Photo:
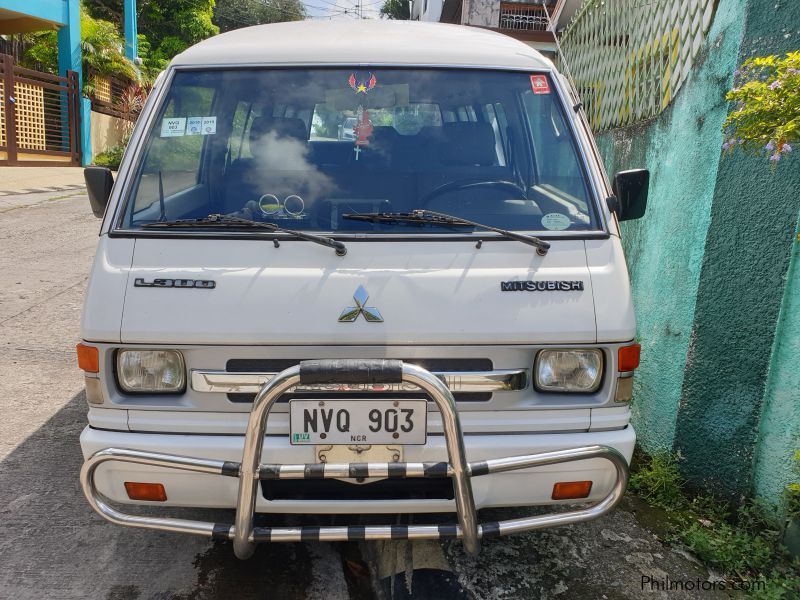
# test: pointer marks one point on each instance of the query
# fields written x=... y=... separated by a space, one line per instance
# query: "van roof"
x=364 y=42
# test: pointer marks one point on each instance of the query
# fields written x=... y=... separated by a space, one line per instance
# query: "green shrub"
x=747 y=544
x=743 y=542
x=793 y=493
x=111 y=157
x=658 y=481
x=766 y=114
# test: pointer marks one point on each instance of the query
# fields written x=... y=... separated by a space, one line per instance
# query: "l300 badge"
x=205 y=284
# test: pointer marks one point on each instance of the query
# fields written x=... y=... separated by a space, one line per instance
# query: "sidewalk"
x=29 y=180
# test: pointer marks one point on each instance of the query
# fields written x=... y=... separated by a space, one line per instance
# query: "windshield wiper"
x=217 y=220
x=429 y=217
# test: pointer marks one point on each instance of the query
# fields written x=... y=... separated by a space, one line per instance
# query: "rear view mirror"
x=99 y=182
x=631 y=189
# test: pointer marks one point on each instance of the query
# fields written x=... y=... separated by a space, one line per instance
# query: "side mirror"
x=631 y=189
x=99 y=182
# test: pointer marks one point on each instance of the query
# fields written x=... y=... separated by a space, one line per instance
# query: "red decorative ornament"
x=363 y=129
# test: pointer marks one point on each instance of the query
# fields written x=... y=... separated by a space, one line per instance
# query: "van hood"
x=390 y=292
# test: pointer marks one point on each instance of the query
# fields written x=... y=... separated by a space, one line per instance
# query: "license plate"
x=358 y=421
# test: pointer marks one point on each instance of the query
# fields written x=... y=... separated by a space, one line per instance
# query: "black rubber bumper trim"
x=351 y=370
x=491 y=529
x=220 y=531
x=230 y=468
x=479 y=468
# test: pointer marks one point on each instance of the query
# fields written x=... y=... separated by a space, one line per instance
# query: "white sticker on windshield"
x=209 y=125
x=194 y=125
x=555 y=221
x=173 y=127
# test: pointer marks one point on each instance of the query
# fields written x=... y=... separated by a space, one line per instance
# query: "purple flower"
x=775 y=84
x=775 y=157
x=770 y=146
x=786 y=148
x=726 y=146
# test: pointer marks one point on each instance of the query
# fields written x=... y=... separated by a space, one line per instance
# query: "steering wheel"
x=469 y=184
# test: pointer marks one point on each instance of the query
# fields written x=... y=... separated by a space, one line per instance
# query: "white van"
x=431 y=317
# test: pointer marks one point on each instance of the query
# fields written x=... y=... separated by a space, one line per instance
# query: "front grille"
x=275 y=365
x=333 y=489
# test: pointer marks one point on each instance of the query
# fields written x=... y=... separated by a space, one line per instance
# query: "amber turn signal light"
x=629 y=357
x=570 y=490
x=88 y=358
x=154 y=492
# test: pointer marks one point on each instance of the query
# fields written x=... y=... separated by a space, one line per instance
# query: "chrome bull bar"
x=251 y=471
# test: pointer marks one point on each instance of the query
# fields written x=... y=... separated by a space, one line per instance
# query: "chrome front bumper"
x=251 y=471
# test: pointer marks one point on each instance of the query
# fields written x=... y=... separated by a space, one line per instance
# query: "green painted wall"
x=718 y=322
x=742 y=280
x=779 y=431
x=681 y=147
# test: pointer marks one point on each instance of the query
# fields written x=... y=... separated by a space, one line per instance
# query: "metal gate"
x=39 y=116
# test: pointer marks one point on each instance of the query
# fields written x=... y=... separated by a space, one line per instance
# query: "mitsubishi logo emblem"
x=351 y=313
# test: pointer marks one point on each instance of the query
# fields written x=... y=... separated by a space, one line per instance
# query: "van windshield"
x=300 y=148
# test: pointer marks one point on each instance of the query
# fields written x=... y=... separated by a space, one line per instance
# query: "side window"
x=331 y=125
x=490 y=116
x=556 y=157
x=174 y=156
x=335 y=125
x=238 y=146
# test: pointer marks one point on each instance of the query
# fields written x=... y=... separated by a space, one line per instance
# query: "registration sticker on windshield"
x=209 y=125
x=201 y=125
x=555 y=221
x=173 y=126
x=194 y=125
x=539 y=84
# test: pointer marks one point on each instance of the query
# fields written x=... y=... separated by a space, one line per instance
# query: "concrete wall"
x=107 y=132
x=742 y=284
x=716 y=300
x=484 y=13
x=665 y=250
x=779 y=429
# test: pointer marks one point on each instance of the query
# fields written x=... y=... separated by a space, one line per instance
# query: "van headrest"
x=282 y=126
x=383 y=137
x=468 y=144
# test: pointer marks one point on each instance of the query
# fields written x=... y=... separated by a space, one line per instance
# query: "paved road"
x=53 y=546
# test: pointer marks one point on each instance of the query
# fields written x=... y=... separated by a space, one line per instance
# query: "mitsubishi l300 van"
x=431 y=315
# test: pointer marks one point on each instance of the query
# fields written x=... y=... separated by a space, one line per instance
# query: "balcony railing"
x=523 y=17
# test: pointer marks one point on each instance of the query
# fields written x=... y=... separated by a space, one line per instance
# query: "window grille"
x=628 y=58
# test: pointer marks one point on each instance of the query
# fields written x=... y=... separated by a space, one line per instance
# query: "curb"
x=55 y=188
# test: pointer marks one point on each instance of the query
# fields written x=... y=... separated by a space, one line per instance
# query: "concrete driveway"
x=53 y=546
